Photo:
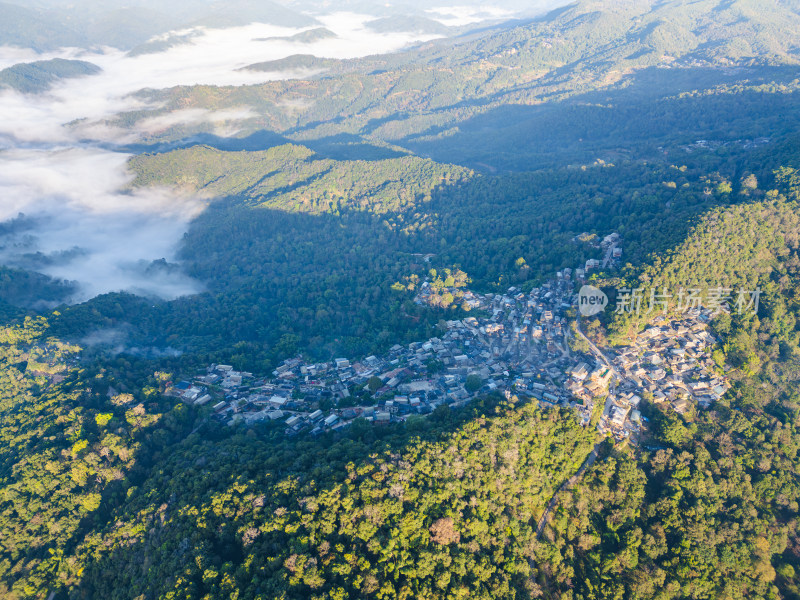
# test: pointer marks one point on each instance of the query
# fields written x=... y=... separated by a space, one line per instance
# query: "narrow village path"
x=566 y=486
x=609 y=255
x=596 y=350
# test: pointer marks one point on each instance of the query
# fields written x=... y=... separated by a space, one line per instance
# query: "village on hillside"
x=519 y=344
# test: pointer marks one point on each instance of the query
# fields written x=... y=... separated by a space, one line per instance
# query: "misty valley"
x=365 y=300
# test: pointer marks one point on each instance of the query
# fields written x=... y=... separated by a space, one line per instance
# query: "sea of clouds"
x=82 y=222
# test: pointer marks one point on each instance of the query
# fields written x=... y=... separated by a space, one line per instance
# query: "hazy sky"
x=186 y=7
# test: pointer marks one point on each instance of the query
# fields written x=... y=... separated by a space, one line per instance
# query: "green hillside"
x=294 y=224
x=505 y=153
x=707 y=479
x=69 y=451
x=419 y=519
x=751 y=245
x=295 y=178
x=295 y=62
x=748 y=245
x=444 y=507
x=31 y=78
x=428 y=490
x=289 y=223
x=309 y=36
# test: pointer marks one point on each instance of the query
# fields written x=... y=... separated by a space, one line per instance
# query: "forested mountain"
x=481 y=90
x=49 y=26
x=67 y=450
x=731 y=470
x=296 y=62
x=294 y=178
x=40 y=75
x=263 y=246
x=506 y=152
x=446 y=506
x=24 y=27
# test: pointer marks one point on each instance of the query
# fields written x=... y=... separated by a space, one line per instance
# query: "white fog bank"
x=82 y=223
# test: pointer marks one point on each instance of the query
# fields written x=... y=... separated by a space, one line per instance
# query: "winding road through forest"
x=566 y=486
x=548 y=511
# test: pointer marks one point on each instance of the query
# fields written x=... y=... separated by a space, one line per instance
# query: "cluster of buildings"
x=517 y=344
x=612 y=253
x=671 y=362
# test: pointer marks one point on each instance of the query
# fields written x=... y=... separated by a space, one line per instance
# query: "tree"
x=434 y=366
x=473 y=383
x=750 y=182
x=374 y=383
x=443 y=531
x=724 y=187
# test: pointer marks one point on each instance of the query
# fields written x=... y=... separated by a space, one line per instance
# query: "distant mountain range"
x=442 y=97
x=50 y=26
x=399 y=23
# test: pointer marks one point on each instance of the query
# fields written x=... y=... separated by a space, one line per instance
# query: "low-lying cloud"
x=220 y=119
x=82 y=221
x=80 y=225
x=116 y=341
x=458 y=16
